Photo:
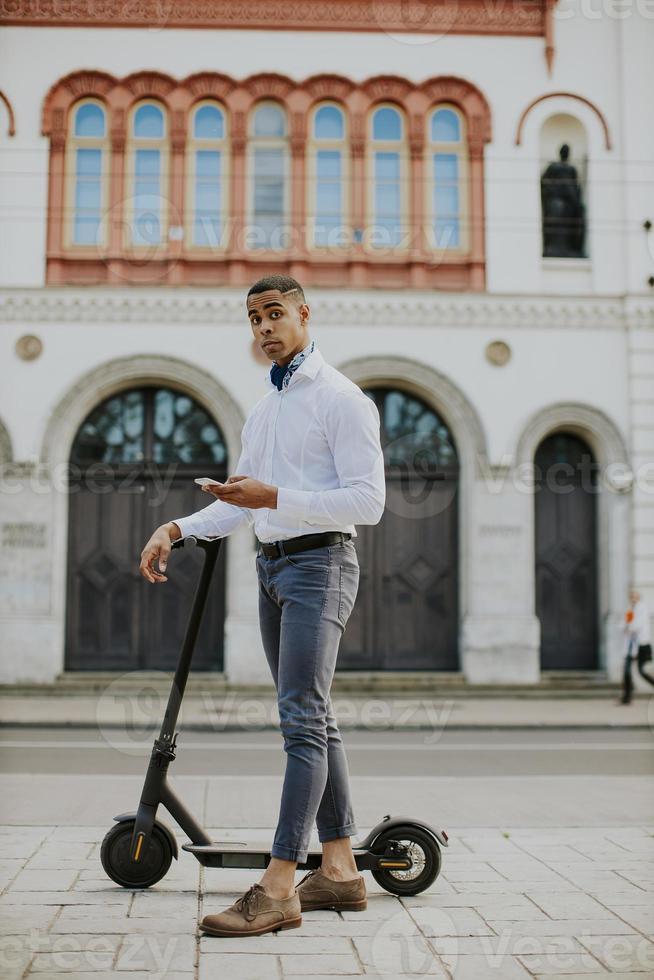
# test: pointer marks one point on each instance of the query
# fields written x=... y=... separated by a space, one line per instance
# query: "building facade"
x=466 y=198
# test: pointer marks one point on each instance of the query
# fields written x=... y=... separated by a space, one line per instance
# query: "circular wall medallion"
x=498 y=353
x=29 y=347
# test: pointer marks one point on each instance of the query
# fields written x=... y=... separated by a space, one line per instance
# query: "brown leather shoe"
x=254 y=913
x=317 y=891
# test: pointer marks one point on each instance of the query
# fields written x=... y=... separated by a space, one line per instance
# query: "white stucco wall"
x=581 y=333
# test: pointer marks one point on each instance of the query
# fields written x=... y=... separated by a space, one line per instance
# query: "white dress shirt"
x=318 y=441
x=639 y=628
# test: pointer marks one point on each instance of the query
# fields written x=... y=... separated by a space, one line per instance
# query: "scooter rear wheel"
x=116 y=860
x=425 y=854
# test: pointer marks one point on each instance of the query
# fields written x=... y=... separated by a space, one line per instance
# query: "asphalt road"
x=481 y=778
x=385 y=754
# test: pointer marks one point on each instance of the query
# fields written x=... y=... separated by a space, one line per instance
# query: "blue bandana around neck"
x=280 y=374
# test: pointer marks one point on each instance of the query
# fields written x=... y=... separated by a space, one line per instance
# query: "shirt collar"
x=309 y=366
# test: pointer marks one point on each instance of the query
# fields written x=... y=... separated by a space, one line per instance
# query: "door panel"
x=151 y=442
x=566 y=566
x=406 y=613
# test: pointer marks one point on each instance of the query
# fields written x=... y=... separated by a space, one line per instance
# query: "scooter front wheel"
x=116 y=860
x=425 y=855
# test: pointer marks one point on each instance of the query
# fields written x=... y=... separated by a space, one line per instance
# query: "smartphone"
x=205 y=481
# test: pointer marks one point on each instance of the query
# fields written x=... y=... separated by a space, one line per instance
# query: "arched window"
x=328 y=170
x=88 y=170
x=147 y=169
x=269 y=171
x=387 y=178
x=207 y=169
x=447 y=181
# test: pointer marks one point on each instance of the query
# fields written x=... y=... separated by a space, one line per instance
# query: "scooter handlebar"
x=207 y=544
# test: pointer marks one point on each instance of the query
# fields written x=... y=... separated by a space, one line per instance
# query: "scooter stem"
x=211 y=549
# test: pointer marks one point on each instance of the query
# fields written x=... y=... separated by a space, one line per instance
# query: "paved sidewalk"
x=509 y=904
x=144 y=706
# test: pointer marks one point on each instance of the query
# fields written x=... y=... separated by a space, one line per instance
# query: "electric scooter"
x=403 y=854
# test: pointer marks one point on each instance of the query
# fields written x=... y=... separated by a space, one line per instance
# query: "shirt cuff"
x=293 y=503
x=185 y=524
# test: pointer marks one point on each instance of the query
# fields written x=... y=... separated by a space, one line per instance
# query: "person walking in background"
x=637 y=630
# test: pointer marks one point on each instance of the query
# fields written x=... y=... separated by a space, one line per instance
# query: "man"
x=311 y=468
x=637 y=629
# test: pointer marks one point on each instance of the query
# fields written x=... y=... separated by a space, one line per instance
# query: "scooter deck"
x=226 y=847
x=238 y=854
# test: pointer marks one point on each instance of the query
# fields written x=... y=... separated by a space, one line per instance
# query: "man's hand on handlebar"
x=158 y=547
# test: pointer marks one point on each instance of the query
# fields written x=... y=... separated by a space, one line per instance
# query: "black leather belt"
x=302 y=543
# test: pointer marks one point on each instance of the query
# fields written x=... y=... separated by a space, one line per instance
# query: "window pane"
x=148 y=122
x=447 y=232
x=446 y=200
x=148 y=163
x=89 y=163
x=208 y=164
x=387 y=166
x=329 y=197
x=269 y=121
x=113 y=432
x=88 y=196
x=89 y=120
x=268 y=197
x=445 y=126
x=85 y=230
x=184 y=432
x=329 y=164
x=387 y=125
x=207 y=219
x=147 y=197
x=446 y=166
x=387 y=198
x=328 y=123
x=209 y=123
x=414 y=438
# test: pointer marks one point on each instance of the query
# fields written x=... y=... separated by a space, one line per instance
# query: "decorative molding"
x=591 y=424
x=28 y=347
x=565 y=95
x=11 y=119
x=127 y=372
x=437 y=390
x=355 y=308
x=525 y=18
x=6 y=453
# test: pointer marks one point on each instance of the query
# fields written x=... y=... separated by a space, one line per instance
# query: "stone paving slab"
x=543 y=917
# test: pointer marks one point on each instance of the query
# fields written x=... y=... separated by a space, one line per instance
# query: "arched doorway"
x=131 y=468
x=565 y=488
x=406 y=615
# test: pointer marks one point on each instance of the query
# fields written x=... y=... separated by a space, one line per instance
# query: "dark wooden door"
x=406 y=613
x=566 y=547
x=132 y=468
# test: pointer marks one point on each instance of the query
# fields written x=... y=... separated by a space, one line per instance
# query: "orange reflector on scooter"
x=139 y=844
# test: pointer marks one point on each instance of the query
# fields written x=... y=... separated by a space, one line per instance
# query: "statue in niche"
x=564 y=223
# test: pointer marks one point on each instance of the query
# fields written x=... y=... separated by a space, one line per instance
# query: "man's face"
x=634 y=597
x=278 y=324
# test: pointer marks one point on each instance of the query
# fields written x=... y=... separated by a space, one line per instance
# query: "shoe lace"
x=248 y=903
x=307 y=875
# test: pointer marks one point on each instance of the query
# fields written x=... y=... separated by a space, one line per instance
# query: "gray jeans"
x=305 y=601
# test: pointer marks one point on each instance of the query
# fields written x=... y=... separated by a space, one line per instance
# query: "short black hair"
x=285 y=284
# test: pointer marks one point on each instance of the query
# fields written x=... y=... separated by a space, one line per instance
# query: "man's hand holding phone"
x=242 y=491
